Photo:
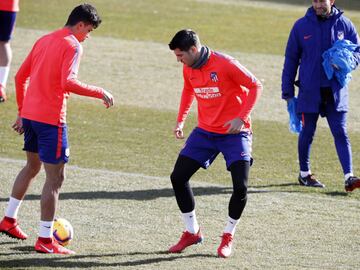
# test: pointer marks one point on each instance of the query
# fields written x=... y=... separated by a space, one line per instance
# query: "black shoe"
x=351 y=183
x=310 y=181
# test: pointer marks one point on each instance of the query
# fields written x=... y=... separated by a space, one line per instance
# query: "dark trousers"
x=337 y=123
x=185 y=167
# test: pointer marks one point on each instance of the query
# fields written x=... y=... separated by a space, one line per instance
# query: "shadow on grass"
x=73 y=261
x=144 y=195
x=8 y=243
x=328 y=193
x=21 y=250
x=337 y=193
x=278 y=185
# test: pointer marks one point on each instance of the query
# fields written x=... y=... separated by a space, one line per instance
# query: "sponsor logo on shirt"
x=307 y=37
x=207 y=92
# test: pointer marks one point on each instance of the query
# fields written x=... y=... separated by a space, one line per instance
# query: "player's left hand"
x=178 y=130
x=18 y=125
x=235 y=125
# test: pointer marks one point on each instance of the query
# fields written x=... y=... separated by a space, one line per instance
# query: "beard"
x=322 y=12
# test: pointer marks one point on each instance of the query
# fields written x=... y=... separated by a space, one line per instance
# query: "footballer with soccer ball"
x=226 y=93
x=51 y=68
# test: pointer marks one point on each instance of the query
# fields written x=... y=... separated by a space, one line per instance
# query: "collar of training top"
x=204 y=57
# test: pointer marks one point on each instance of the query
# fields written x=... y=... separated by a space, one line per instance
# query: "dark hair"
x=184 y=40
x=84 y=13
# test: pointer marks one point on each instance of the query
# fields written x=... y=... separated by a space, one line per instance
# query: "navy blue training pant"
x=337 y=124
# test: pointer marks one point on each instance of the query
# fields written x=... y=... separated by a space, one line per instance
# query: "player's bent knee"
x=175 y=178
x=240 y=195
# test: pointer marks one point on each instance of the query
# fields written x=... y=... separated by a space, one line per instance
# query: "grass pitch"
x=235 y=25
x=118 y=196
x=128 y=221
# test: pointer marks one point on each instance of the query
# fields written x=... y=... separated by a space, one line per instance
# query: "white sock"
x=46 y=229
x=348 y=175
x=12 y=208
x=4 y=73
x=231 y=225
x=190 y=221
x=305 y=173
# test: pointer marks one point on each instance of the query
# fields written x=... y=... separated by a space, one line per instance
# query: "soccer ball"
x=63 y=232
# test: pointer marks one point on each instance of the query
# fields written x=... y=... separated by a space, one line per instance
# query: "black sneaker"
x=351 y=183
x=310 y=181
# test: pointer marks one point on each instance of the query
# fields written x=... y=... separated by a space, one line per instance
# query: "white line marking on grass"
x=274 y=194
x=102 y=171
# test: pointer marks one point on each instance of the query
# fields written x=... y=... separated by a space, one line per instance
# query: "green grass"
x=234 y=28
x=133 y=139
x=128 y=222
x=344 y=4
x=140 y=140
x=117 y=194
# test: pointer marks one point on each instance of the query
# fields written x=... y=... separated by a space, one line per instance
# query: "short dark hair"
x=184 y=40
x=84 y=13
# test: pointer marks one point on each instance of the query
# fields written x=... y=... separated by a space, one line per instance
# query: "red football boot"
x=51 y=246
x=224 y=249
x=187 y=239
x=10 y=227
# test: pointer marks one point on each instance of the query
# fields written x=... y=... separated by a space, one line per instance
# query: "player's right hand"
x=235 y=125
x=108 y=99
x=18 y=125
x=178 y=130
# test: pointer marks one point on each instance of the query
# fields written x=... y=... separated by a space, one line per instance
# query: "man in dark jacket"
x=309 y=38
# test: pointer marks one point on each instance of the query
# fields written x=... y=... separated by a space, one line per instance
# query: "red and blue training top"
x=224 y=90
x=52 y=68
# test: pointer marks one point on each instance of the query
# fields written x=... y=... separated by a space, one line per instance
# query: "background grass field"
x=117 y=194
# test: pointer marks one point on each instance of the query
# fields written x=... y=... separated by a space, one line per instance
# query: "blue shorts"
x=204 y=146
x=7 y=22
x=49 y=141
